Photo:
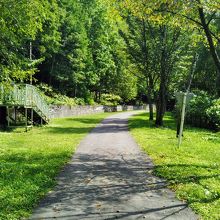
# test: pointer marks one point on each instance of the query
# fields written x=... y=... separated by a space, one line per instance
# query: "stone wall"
x=69 y=111
x=120 y=108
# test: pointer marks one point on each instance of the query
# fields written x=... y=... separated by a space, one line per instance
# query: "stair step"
x=20 y=97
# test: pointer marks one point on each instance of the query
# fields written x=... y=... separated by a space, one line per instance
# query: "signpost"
x=182 y=100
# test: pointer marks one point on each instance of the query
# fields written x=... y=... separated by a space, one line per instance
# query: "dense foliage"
x=204 y=111
x=87 y=49
x=54 y=97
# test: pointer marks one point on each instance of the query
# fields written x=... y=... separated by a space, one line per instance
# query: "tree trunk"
x=75 y=90
x=161 y=104
x=161 y=99
x=150 y=84
x=151 y=107
x=150 y=99
x=99 y=96
x=51 y=71
x=96 y=96
x=212 y=48
x=151 y=111
x=218 y=83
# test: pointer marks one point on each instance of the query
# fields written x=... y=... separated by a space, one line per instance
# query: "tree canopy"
x=142 y=51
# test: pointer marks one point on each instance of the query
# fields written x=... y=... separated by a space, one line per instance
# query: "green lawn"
x=193 y=171
x=30 y=161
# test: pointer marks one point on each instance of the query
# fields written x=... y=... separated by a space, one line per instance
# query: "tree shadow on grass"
x=191 y=174
x=68 y=130
x=25 y=178
x=111 y=125
x=169 y=123
x=137 y=122
x=95 y=121
x=83 y=120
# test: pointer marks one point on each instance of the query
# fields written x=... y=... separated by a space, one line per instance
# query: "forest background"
x=115 y=52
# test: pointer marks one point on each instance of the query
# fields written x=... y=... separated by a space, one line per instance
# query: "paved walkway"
x=110 y=178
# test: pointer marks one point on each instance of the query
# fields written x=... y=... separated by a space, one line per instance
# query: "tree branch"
x=181 y=15
x=216 y=37
x=195 y=21
x=210 y=19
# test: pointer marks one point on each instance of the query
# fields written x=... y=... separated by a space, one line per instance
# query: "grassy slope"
x=193 y=171
x=30 y=161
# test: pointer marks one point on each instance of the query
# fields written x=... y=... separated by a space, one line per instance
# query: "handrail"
x=36 y=100
x=25 y=95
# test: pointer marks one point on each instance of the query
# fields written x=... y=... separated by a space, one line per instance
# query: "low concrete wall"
x=125 y=108
x=69 y=111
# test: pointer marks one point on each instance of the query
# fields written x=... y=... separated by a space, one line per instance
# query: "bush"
x=203 y=111
x=79 y=101
x=89 y=99
x=213 y=114
x=54 y=98
x=110 y=99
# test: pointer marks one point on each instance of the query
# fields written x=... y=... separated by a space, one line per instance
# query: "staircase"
x=22 y=104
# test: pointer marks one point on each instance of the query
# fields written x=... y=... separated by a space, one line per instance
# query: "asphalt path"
x=109 y=177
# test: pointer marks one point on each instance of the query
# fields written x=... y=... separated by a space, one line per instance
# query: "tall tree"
x=199 y=14
x=19 y=24
x=141 y=47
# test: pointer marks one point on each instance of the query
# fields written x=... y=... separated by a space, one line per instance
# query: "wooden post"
x=32 y=116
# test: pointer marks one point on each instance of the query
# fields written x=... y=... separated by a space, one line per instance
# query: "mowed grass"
x=193 y=170
x=29 y=162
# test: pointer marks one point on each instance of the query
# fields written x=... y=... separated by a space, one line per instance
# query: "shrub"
x=203 y=111
x=79 y=101
x=213 y=114
x=55 y=98
x=88 y=97
x=110 y=99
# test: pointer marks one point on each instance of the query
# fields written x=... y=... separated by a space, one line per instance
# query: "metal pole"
x=182 y=119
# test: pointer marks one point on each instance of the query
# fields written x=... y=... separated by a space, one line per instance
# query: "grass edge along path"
x=30 y=162
x=193 y=171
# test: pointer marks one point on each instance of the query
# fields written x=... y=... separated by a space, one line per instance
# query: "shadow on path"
x=110 y=178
